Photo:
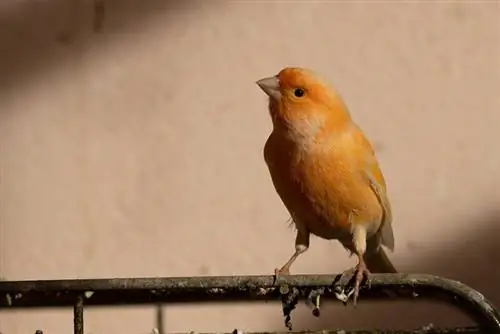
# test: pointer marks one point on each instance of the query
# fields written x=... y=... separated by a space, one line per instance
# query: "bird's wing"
x=376 y=180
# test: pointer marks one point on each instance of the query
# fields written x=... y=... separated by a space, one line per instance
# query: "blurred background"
x=131 y=145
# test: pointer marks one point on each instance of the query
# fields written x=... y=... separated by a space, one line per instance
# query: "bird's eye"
x=298 y=92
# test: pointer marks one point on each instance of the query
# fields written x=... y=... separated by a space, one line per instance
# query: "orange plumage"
x=325 y=171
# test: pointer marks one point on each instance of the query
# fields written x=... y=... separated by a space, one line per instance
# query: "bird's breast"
x=320 y=188
x=323 y=189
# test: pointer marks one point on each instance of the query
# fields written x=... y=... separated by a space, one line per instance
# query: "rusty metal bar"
x=78 y=316
x=288 y=289
x=423 y=330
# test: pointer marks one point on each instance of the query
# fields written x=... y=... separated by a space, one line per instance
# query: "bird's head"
x=300 y=101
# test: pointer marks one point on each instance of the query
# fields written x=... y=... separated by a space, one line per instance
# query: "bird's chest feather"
x=322 y=189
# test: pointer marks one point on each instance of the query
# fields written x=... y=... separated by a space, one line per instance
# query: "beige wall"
x=138 y=151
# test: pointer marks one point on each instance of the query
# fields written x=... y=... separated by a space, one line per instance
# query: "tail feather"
x=379 y=262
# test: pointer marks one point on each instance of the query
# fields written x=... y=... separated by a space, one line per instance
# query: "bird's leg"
x=359 y=243
x=285 y=269
x=301 y=245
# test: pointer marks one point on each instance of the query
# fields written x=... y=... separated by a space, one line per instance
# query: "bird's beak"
x=270 y=86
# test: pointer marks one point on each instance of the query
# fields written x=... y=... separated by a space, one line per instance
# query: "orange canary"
x=325 y=171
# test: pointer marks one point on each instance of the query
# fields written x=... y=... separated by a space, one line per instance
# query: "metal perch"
x=288 y=289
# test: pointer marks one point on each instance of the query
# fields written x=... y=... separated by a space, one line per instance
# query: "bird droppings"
x=284 y=289
x=341 y=295
x=264 y=291
x=428 y=327
x=216 y=291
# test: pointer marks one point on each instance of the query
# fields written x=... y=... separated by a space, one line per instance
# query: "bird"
x=326 y=173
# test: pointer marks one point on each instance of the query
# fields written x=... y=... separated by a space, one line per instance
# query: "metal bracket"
x=288 y=289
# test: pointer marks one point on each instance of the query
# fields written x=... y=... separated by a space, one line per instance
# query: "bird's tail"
x=378 y=262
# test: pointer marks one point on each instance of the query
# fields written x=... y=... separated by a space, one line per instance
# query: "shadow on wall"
x=470 y=260
x=37 y=36
x=40 y=35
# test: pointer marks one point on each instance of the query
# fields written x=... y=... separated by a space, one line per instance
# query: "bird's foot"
x=284 y=271
x=357 y=274
x=361 y=272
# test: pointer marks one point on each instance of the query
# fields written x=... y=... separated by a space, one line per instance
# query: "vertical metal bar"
x=78 y=316
x=160 y=325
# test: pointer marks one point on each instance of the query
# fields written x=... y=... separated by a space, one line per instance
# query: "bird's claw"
x=361 y=272
x=357 y=274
